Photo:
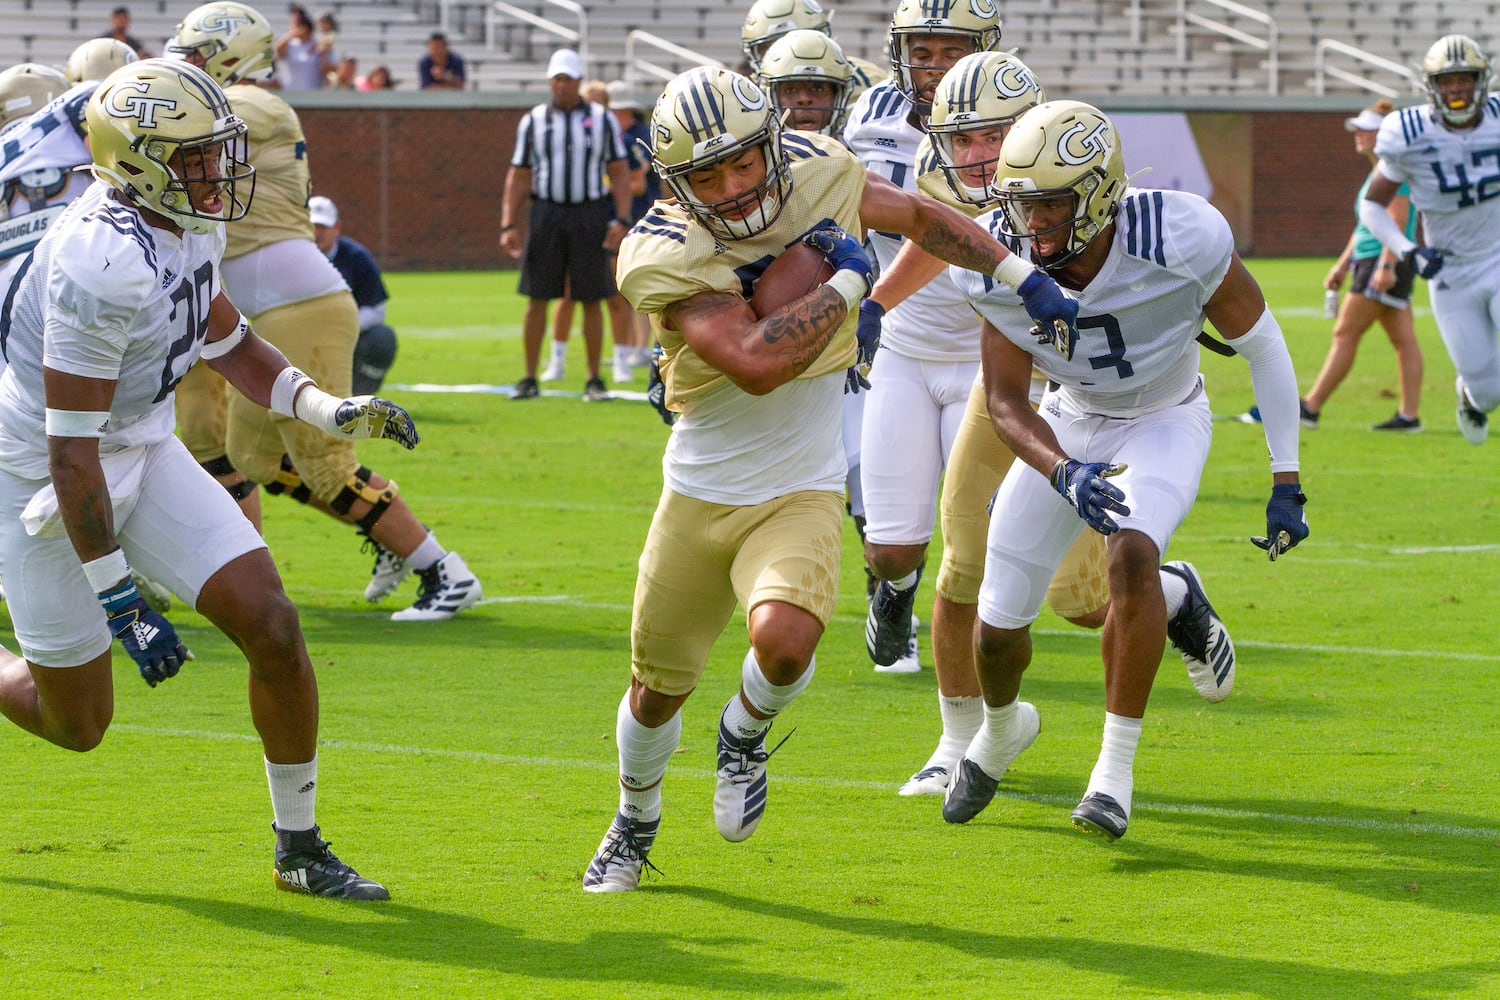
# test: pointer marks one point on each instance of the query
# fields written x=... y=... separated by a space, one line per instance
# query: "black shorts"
x=1398 y=296
x=565 y=252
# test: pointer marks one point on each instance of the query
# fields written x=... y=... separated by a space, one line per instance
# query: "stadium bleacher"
x=1099 y=48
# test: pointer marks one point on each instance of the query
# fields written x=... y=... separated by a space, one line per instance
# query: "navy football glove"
x=868 y=336
x=361 y=417
x=843 y=251
x=1426 y=261
x=1286 y=525
x=1056 y=315
x=656 y=389
x=1083 y=485
x=148 y=637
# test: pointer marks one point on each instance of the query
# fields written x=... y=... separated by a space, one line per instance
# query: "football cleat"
x=388 y=572
x=888 y=625
x=447 y=588
x=595 y=392
x=740 y=790
x=617 y=864
x=1400 y=424
x=1199 y=635
x=157 y=597
x=909 y=662
x=554 y=371
x=305 y=864
x=526 y=388
x=931 y=780
x=972 y=788
x=1102 y=815
x=1473 y=423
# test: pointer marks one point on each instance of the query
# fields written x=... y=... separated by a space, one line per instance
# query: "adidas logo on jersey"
x=168 y=277
x=882 y=141
x=719 y=248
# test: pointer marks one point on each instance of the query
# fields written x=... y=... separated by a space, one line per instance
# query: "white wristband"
x=106 y=571
x=77 y=423
x=1013 y=270
x=851 y=285
x=221 y=347
x=285 y=388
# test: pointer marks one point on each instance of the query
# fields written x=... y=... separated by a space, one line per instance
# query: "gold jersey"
x=283 y=183
x=668 y=257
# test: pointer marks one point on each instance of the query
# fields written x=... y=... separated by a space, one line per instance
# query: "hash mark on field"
x=521 y=760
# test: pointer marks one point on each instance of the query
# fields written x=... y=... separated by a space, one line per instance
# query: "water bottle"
x=1331 y=303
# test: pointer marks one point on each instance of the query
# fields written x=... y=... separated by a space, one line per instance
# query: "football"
x=795 y=272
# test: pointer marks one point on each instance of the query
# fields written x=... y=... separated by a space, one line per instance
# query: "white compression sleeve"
x=1275 y=388
x=1380 y=224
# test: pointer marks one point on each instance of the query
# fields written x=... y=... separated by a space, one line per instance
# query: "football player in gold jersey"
x=754 y=471
x=298 y=301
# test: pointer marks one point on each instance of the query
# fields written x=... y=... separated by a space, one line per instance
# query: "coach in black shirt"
x=564 y=149
x=376 y=349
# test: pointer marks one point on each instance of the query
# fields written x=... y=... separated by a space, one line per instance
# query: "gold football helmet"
x=27 y=88
x=976 y=20
x=1457 y=54
x=97 y=58
x=985 y=92
x=161 y=129
x=705 y=117
x=1061 y=149
x=768 y=20
x=808 y=58
x=230 y=41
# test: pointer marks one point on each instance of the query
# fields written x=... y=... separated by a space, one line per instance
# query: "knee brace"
x=287 y=481
x=357 y=487
x=221 y=467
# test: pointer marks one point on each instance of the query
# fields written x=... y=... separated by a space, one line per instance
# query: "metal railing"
x=1323 y=70
x=500 y=11
x=1270 y=44
x=635 y=65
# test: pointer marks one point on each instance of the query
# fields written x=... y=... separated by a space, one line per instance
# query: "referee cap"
x=565 y=62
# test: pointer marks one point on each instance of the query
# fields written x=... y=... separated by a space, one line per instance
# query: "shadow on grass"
x=415 y=934
x=1159 y=971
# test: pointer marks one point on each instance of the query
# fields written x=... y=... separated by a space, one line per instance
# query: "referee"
x=563 y=151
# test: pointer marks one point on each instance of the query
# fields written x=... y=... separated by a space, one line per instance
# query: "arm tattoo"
x=801 y=329
x=958 y=240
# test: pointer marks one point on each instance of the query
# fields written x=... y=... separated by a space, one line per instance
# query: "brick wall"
x=421 y=187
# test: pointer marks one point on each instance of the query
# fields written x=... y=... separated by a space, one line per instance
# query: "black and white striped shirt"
x=566 y=151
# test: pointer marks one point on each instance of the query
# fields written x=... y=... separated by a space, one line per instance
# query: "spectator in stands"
x=345 y=75
x=119 y=30
x=376 y=349
x=441 y=68
x=571 y=226
x=303 y=63
x=378 y=78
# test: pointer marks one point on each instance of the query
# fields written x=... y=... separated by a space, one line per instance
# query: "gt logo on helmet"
x=983 y=8
x=751 y=98
x=141 y=108
x=1096 y=142
x=222 y=21
x=1014 y=79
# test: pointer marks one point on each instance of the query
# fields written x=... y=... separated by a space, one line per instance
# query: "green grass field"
x=1332 y=830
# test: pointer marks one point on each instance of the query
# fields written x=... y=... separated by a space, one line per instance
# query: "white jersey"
x=1454 y=176
x=104 y=296
x=935 y=323
x=38 y=176
x=1139 y=318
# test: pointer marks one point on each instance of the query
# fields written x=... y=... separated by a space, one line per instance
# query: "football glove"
x=1056 y=315
x=1286 y=524
x=1083 y=485
x=867 y=334
x=360 y=417
x=843 y=251
x=656 y=389
x=148 y=637
x=1426 y=261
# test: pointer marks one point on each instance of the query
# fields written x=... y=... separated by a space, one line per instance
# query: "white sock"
x=1113 y=774
x=906 y=582
x=559 y=351
x=738 y=720
x=767 y=698
x=644 y=755
x=962 y=718
x=1174 y=589
x=427 y=552
x=294 y=794
x=622 y=355
x=991 y=746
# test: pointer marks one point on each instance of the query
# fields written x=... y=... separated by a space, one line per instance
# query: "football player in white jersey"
x=973 y=109
x=1448 y=153
x=1119 y=442
x=108 y=311
x=751 y=506
x=929 y=342
x=769 y=20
